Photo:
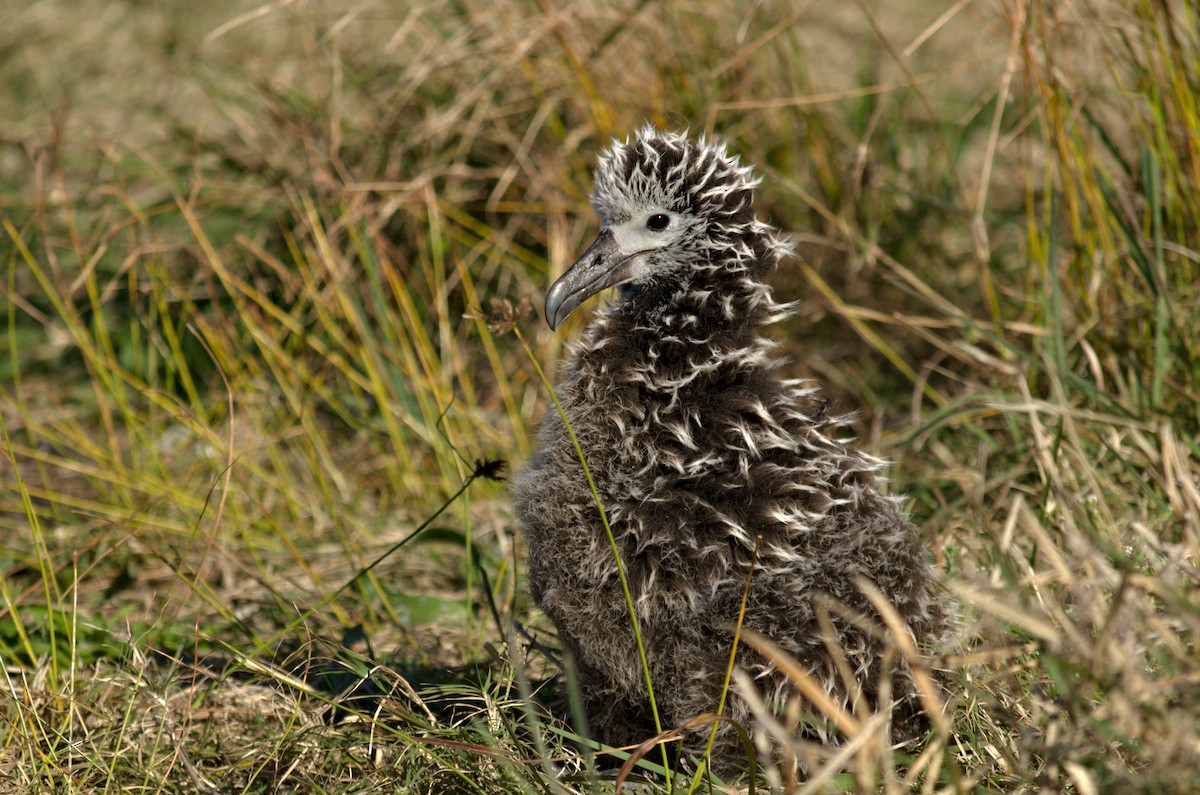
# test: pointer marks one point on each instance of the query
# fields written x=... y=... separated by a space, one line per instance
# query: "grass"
x=260 y=269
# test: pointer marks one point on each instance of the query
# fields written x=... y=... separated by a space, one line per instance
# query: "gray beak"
x=602 y=265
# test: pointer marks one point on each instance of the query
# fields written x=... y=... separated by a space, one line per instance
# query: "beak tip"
x=554 y=305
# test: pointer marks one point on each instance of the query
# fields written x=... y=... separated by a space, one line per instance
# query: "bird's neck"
x=672 y=325
x=687 y=332
x=700 y=306
x=652 y=360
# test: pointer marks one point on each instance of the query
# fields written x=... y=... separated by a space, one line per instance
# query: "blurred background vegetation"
x=262 y=266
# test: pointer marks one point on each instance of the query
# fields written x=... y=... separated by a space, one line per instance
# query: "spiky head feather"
x=670 y=170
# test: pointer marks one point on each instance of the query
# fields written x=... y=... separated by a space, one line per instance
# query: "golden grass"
x=260 y=263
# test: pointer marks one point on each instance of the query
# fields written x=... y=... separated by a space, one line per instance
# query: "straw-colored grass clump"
x=262 y=266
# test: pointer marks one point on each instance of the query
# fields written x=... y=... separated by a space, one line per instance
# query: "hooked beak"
x=602 y=265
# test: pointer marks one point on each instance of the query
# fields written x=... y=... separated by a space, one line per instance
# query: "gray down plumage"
x=698 y=445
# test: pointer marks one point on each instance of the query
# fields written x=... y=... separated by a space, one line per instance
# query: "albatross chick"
x=698 y=447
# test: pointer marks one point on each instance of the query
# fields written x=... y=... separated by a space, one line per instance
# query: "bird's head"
x=669 y=209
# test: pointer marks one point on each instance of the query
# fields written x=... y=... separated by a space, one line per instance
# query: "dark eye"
x=658 y=222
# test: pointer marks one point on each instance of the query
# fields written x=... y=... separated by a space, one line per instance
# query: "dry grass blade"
x=809 y=687
x=1025 y=620
x=639 y=752
x=901 y=639
x=870 y=730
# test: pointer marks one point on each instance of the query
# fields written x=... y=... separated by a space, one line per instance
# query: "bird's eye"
x=658 y=222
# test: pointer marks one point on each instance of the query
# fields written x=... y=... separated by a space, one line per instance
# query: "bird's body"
x=698 y=446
